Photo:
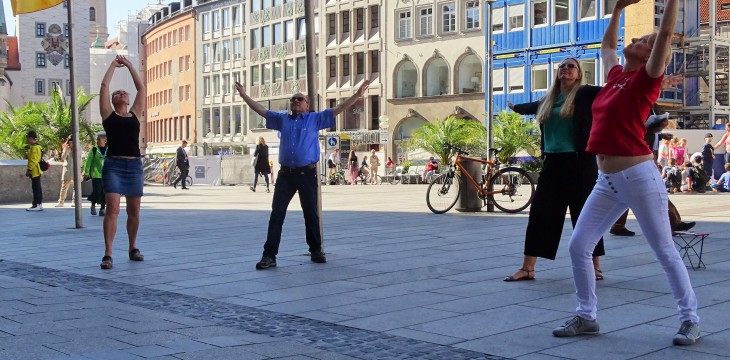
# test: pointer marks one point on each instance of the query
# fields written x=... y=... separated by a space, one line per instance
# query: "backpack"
x=44 y=165
x=674 y=177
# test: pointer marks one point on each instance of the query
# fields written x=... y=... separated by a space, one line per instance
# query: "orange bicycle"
x=509 y=188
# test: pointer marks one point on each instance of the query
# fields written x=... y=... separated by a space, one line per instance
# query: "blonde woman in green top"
x=92 y=170
x=34 y=171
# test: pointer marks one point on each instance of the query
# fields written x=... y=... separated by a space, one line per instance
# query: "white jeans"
x=640 y=188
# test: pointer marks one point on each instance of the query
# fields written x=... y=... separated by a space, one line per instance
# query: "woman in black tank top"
x=122 y=171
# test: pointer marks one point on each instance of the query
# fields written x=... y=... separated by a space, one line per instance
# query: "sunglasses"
x=298 y=98
x=568 y=65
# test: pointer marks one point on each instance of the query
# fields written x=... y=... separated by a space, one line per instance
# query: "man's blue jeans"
x=287 y=184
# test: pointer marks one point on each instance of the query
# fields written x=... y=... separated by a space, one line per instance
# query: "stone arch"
x=436 y=76
x=406 y=79
x=468 y=72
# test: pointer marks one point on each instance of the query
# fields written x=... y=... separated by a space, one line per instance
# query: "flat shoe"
x=599 y=275
x=521 y=278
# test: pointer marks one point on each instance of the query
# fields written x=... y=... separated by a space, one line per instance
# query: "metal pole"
x=76 y=146
x=311 y=91
x=489 y=103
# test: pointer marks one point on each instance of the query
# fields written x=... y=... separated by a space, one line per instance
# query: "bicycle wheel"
x=378 y=180
x=442 y=193
x=340 y=179
x=514 y=187
x=188 y=181
x=394 y=179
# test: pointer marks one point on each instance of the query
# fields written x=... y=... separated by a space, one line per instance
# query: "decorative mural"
x=55 y=44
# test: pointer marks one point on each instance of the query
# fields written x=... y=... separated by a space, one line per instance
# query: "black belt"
x=288 y=169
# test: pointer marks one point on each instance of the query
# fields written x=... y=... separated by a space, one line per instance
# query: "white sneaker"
x=35 y=208
x=59 y=205
x=688 y=334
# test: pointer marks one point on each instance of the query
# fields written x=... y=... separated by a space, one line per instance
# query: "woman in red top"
x=627 y=175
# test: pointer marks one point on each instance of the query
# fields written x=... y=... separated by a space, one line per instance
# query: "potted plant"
x=432 y=137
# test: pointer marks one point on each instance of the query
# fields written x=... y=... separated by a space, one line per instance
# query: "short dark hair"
x=185 y=142
x=31 y=134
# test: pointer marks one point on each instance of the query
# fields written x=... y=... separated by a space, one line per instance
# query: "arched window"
x=469 y=75
x=437 y=77
x=92 y=14
x=406 y=80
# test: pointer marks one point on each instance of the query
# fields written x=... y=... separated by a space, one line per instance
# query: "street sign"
x=383 y=136
x=331 y=142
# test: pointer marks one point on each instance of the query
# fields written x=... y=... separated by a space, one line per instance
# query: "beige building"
x=97 y=21
x=434 y=62
x=169 y=66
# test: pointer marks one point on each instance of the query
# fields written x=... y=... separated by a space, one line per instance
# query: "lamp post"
x=383 y=125
x=488 y=73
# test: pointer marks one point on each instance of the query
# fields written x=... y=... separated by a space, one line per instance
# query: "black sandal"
x=106 y=262
x=521 y=278
x=599 y=274
x=135 y=255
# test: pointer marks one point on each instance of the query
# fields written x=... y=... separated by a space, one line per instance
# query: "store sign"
x=383 y=136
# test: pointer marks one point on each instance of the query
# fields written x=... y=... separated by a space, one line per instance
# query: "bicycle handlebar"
x=461 y=151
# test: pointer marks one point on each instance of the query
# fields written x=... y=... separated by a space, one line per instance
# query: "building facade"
x=98 y=26
x=434 y=62
x=169 y=70
x=43 y=50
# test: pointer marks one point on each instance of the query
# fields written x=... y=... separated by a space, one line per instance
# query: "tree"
x=51 y=120
x=432 y=137
x=512 y=133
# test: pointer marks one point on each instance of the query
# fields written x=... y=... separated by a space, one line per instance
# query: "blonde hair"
x=260 y=140
x=547 y=103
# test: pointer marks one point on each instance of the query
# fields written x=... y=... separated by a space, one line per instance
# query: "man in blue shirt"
x=298 y=157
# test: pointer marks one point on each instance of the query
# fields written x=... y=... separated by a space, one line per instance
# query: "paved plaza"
x=400 y=283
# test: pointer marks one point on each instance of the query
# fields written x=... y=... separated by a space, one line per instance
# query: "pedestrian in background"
x=374 y=165
x=298 y=156
x=34 y=171
x=183 y=164
x=122 y=173
x=68 y=159
x=708 y=155
x=354 y=167
x=725 y=140
x=93 y=168
x=261 y=168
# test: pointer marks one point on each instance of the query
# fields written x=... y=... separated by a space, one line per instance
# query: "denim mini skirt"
x=123 y=176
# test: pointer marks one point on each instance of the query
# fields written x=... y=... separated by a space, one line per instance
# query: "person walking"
x=333 y=161
x=93 y=167
x=568 y=171
x=725 y=140
x=67 y=176
x=628 y=175
x=122 y=172
x=354 y=167
x=262 y=163
x=298 y=157
x=33 y=171
x=374 y=165
x=183 y=164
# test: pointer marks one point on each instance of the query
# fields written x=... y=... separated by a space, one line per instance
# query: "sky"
x=116 y=11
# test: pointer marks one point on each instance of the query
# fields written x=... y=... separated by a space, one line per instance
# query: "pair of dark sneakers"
x=268 y=261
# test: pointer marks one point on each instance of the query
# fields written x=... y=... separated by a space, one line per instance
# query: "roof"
x=13 y=55
x=722 y=15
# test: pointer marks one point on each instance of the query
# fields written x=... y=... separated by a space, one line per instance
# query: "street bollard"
x=469 y=200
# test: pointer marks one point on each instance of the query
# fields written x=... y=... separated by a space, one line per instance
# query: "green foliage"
x=406 y=165
x=51 y=120
x=465 y=134
x=512 y=133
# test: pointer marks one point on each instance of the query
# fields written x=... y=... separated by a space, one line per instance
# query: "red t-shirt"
x=620 y=111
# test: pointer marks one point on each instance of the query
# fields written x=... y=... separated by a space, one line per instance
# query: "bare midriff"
x=609 y=164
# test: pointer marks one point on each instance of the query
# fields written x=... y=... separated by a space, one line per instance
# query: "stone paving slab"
x=400 y=282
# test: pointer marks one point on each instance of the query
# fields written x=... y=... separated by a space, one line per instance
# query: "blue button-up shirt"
x=299 y=144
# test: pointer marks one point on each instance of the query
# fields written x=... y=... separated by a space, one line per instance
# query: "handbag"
x=254 y=160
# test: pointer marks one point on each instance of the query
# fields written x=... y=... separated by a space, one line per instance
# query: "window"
x=180 y=93
x=539 y=13
x=562 y=11
x=360 y=19
x=540 y=77
x=288 y=69
x=40 y=59
x=255 y=38
x=255 y=5
x=187 y=33
x=448 y=18
x=206 y=86
x=266 y=74
x=92 y=14
x=40 y=87
x=66 y=61
x=206 y=54
x=174 y=37
x=426 y=22
x=181 y=64
x=404 y=25
x=498 y=81
x=473 y=15
x=266 y=36
x=65 y=30
x=226 y=18
x=255 y=75
x=216 y=20
x=331 y=25
x=40 y=29
x=236 y=15
x=498 y=20
x=345 y=21
x=589 y=71
x=55 y=85
x=216 y=85
x=360 y=63
x=216 y=53
x=587 y=9
x=289 y=33
x=516 y=79
x=374 y=16
x=278 y=34
x=302 y=29
x=301 y=68
x=723 y=7
x=332 y=64
x=346 y=65
x=277 y=72
x=609 y=5
x=226 y=50
x=236 y=49
x=375 y=61
x=516 y=15
x=226 y=85
x=206 y=23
